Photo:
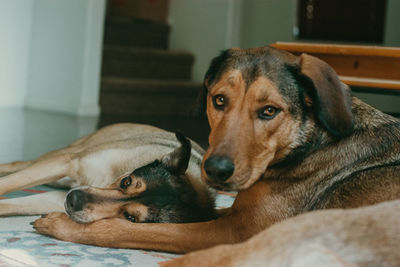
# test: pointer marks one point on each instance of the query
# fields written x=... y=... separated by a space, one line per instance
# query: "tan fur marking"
x=139 y=211
x=258 y=142
x=137 y=186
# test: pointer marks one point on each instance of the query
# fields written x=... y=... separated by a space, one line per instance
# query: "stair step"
x=144 y=86
x=131 y=97
x=144 y=63
x=127 y=31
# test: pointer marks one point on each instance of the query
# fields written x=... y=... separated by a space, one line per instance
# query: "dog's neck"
x=303 y=184
x=314 y=157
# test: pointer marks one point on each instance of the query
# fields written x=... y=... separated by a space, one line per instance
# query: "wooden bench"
x=371 y=69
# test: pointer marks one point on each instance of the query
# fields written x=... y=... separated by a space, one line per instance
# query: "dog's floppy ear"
x=178 y=160
x=330 y=97
x=198 y=109
x=217 y=63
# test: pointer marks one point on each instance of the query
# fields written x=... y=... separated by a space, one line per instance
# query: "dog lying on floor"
x=287 y=134
x=120 y=171
x=368 y=236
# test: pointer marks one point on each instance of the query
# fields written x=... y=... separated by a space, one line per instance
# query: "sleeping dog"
x=121 y=171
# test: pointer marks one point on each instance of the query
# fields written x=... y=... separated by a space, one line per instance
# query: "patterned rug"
x=20 y=245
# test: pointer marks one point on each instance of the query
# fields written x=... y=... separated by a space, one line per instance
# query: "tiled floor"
x=26 y=133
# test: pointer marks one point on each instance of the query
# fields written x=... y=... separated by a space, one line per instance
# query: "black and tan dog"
x=135 y=172
x=287 y=134
x=158 y=192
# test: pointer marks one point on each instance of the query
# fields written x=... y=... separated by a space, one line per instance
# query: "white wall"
x=15 y=33
x=65 y=55
x=204 y=27
x=267 y=21
x=207 y=27
x=11 y=134
x=392 y=24
x=50 y=54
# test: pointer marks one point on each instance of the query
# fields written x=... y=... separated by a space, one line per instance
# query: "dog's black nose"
x=75 y=200
x=219 y=168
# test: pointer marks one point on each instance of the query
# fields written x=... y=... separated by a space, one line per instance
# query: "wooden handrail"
x=368 y=82
x=357 y=65
x=333 y=49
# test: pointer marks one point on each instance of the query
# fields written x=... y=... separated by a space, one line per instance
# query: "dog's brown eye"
x=219 y=101
x=268 y=112
x=125 y=182
x=129 y=217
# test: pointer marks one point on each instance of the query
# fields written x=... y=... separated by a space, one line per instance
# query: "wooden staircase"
x=144 y=82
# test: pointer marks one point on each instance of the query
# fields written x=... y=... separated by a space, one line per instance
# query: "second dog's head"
x=263 y=105
x=157 y=192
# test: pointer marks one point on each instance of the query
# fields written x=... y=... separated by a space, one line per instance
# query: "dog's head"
x=263 y=104
x=157 y=192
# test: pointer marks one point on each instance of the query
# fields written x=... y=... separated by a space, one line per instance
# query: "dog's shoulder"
x=371 y=172
x=361 y=188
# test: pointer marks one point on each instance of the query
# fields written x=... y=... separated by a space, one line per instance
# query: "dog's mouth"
x=74 y=205
x=237 y=182
x=226 y=186
x=79 y=217
x=229 y=174
x=232 y=184
x=83 y=205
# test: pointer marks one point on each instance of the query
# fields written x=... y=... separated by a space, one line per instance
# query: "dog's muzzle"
x=218 y=168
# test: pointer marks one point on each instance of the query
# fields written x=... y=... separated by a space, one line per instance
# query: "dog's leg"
x=33 y=205
x=260 y=254
x=12 y=167
x=41 y=172
x=245 y=218
x=120 y=233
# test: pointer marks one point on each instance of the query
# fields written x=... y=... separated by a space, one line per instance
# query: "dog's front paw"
x=60 y=226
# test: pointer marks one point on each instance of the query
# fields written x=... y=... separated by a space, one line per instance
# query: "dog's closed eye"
x=136 y=212
x=129 y=217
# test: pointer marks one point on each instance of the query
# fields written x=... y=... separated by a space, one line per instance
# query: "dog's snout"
x=75 y=200
x=219 y=168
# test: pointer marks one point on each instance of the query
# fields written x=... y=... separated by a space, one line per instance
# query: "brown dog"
x=286 y=133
